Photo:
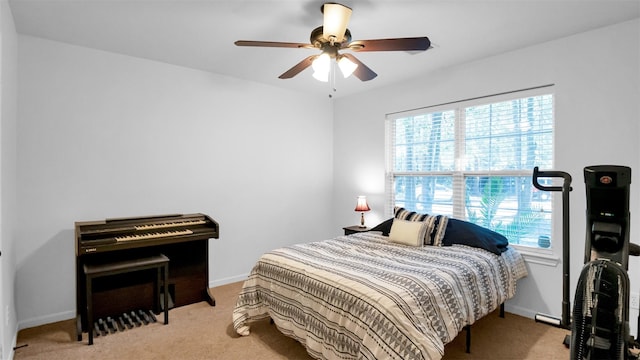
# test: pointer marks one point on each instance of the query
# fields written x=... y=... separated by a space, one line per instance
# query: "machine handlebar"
x=566 y=185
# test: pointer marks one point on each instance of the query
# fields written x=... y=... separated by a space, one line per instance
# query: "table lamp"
x=362 y=206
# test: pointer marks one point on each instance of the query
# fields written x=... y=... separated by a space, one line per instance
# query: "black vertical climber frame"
x=565 y=322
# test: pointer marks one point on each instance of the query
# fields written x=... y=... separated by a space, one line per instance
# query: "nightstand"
x=354 y=229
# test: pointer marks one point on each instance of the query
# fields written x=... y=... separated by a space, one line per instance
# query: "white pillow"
x=408 y=232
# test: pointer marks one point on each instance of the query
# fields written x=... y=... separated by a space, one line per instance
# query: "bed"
x=369 y=296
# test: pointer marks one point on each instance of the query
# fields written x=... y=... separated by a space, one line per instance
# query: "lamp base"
x=362 y=221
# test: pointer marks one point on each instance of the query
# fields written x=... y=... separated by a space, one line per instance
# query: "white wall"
x=103 y=135
x=8 y=109
x=596 y=76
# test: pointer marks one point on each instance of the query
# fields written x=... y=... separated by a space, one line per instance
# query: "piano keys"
x=182 y=238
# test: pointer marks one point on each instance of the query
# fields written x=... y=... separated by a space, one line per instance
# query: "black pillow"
x=384 y=226
x=466 y=233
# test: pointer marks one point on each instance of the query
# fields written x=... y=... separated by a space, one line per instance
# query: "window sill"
x=544 y=257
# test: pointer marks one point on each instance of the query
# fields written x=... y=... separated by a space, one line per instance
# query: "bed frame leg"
x=468 y=329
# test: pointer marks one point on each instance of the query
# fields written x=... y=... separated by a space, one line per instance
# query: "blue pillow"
x=466 y=233
x=384 y=226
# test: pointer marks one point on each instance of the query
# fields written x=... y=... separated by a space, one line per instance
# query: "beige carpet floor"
x=199 y=331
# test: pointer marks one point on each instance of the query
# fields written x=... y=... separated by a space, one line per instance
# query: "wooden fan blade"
x=362 y=72
x=398 y=44
x=297 y=68
x=272 y=44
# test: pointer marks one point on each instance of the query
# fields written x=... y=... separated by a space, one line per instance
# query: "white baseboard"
x=47 y=319
x=12 y=352
x=528 y=313
x=228 y=280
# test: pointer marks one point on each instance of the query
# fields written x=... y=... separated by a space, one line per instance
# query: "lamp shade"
x=347 y=66
x=362 y=204
x=336 y=18
x=321 y=66
x=320 y=76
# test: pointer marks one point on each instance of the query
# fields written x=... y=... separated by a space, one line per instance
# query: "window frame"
x=459 y=174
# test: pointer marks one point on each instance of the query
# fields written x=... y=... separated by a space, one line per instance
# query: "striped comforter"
x=362 y=297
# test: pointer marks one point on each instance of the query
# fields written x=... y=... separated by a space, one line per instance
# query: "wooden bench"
x=158 y=262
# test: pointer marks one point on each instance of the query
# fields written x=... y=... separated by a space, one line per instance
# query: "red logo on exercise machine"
x=606 y=180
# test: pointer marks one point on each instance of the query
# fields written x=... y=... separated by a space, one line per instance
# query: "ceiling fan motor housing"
x=318 y=40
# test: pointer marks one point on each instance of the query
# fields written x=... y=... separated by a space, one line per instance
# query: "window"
x=473 y=160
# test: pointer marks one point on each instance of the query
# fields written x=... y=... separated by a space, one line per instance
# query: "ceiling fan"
x=334 y=36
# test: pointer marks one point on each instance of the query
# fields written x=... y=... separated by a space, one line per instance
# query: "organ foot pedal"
x=126 y=321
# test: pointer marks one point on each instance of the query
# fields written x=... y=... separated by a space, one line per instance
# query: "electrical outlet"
x=634 y=301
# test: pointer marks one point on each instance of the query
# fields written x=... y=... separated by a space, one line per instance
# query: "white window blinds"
x=473 y=160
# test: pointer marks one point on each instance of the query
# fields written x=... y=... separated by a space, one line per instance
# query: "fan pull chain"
x=332 y=79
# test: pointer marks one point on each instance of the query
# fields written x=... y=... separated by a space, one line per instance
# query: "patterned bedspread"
x=362 y=297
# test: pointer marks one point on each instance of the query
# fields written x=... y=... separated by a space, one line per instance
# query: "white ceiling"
x=200 y=34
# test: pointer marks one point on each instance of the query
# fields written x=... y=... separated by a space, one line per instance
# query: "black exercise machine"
x=600 y=324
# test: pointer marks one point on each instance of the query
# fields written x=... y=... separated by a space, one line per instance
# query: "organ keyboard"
x=182 y=238
x=153 y=235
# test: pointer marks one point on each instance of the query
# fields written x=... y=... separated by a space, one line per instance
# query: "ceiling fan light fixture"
x=324 y=77
x=321 y=67
x=336 y=18
x=347 y=67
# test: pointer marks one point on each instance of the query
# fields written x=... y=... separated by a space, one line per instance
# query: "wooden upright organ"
x=183 y=239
